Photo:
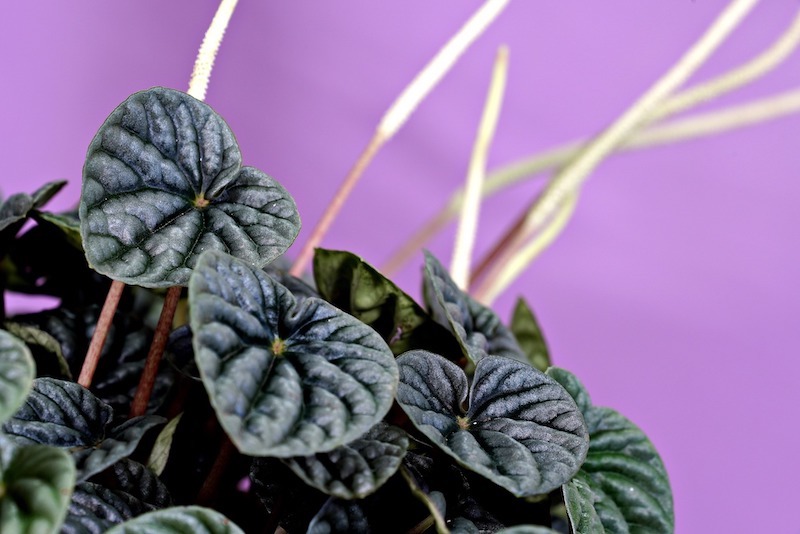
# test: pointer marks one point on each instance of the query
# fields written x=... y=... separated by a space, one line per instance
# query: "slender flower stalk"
x=576 y=172
x=397 y=114
x=198 y=84
x=468 y=226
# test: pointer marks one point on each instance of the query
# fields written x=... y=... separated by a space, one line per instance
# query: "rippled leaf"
x=16 y=374
x=580 y=500
x=179 y=520
x=163 y=182
x=625 y=480
x=520 y=428
x=351 y=284
x=479 y=331
x=36 y=486
x=64 y=414
x=357 y=469
x=125 y=490
x=286 y=378
x=526 y=329
x=340 y=517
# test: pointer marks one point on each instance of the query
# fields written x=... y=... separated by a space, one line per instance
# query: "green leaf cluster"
x=328 y=404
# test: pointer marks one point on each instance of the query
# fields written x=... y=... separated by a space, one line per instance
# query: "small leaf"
x=179 y=520
x=68 y=223
x=580 y=501
x=623 y=471
x=36 y=487
x=527 y=529
x=351 y=284
x=16 y=374
x=45 y=349
x=477 y=328
x=16 y=208
x=357 y=469
x=340 y=517
x=125 y=490
x=64 y=414
x=285 y=378
x=529 y=336
x=160 y=453
x=521 y=429
x=163 y=182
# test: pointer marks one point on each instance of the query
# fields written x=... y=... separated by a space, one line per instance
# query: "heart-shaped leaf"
x=477 y=328
x=357 y=469
x=285 y=378
x=163 y=182
x=179 y=520
x=521 y=429
x=36 y=486
x=64 y=414
x=625 y=479
x=350 y=283
x=16 y=374
x=125 y=490
x=526 y=330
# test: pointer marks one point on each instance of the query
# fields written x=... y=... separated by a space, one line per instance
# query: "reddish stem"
x=100 y=333
x=148 y=379
x=350 y=181
x=209 y=489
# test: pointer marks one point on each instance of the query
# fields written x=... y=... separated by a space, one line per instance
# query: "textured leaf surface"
x=351 y=284
x=340 y=517
x=64 y=414
x=526 y=329
x=357 y=469
x=179 y=520
x=479 y=331
x=623 y=471
x=580 y=500
x=521 y=429
x=16 y=374
x=37 y=482
x=286 y=378
x=163 y=182
x=125 y=490
x=16 y=208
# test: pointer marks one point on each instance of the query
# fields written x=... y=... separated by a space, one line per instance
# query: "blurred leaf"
x=520 y=429
x=163 y=182
x=16 y=374
x=285 y=378
x=340 y=517
x=529 y=336
x=45 y=349
x=161 y=448
x=179 y=520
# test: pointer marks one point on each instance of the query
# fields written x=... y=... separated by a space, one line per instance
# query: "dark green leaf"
x=624 y=472
x=16 y=208
x=580 y=501
x=351 y=284
x=125 y=490
x=37 y=482
x=477 y=328
x=521 y=429
x=16 y=374
x=284 y=495
x=286 y=378
x=179 y=520
x=357 y=469
x=163 y=182
x=527 y=529
x=526 y=329
x=64 y=414
x=45 y=349
x=340 y=517
x=68 y=223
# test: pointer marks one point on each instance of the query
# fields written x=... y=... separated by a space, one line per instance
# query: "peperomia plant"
x=270 y=402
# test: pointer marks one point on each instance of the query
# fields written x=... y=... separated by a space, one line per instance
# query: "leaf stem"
x=468 y=225
x=397 y=114
x=100 y=333
x=209 y=489
x=207 y=53
x=160 y=338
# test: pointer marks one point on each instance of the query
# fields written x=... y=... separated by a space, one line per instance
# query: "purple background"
x=673 y=292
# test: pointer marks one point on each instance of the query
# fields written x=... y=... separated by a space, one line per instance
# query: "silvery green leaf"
x=163 y=182
x=37 y=483
x=286 y=378
x=66 y=415
x=526 y=330
x=179 y=520
x=356 y=469
x=351 y=284
x=16 y=374
x=623 y=477
x=513 y=425
x=580 y=500
x=479 y=331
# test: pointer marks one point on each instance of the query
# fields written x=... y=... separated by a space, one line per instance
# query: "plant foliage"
x=333 y=406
